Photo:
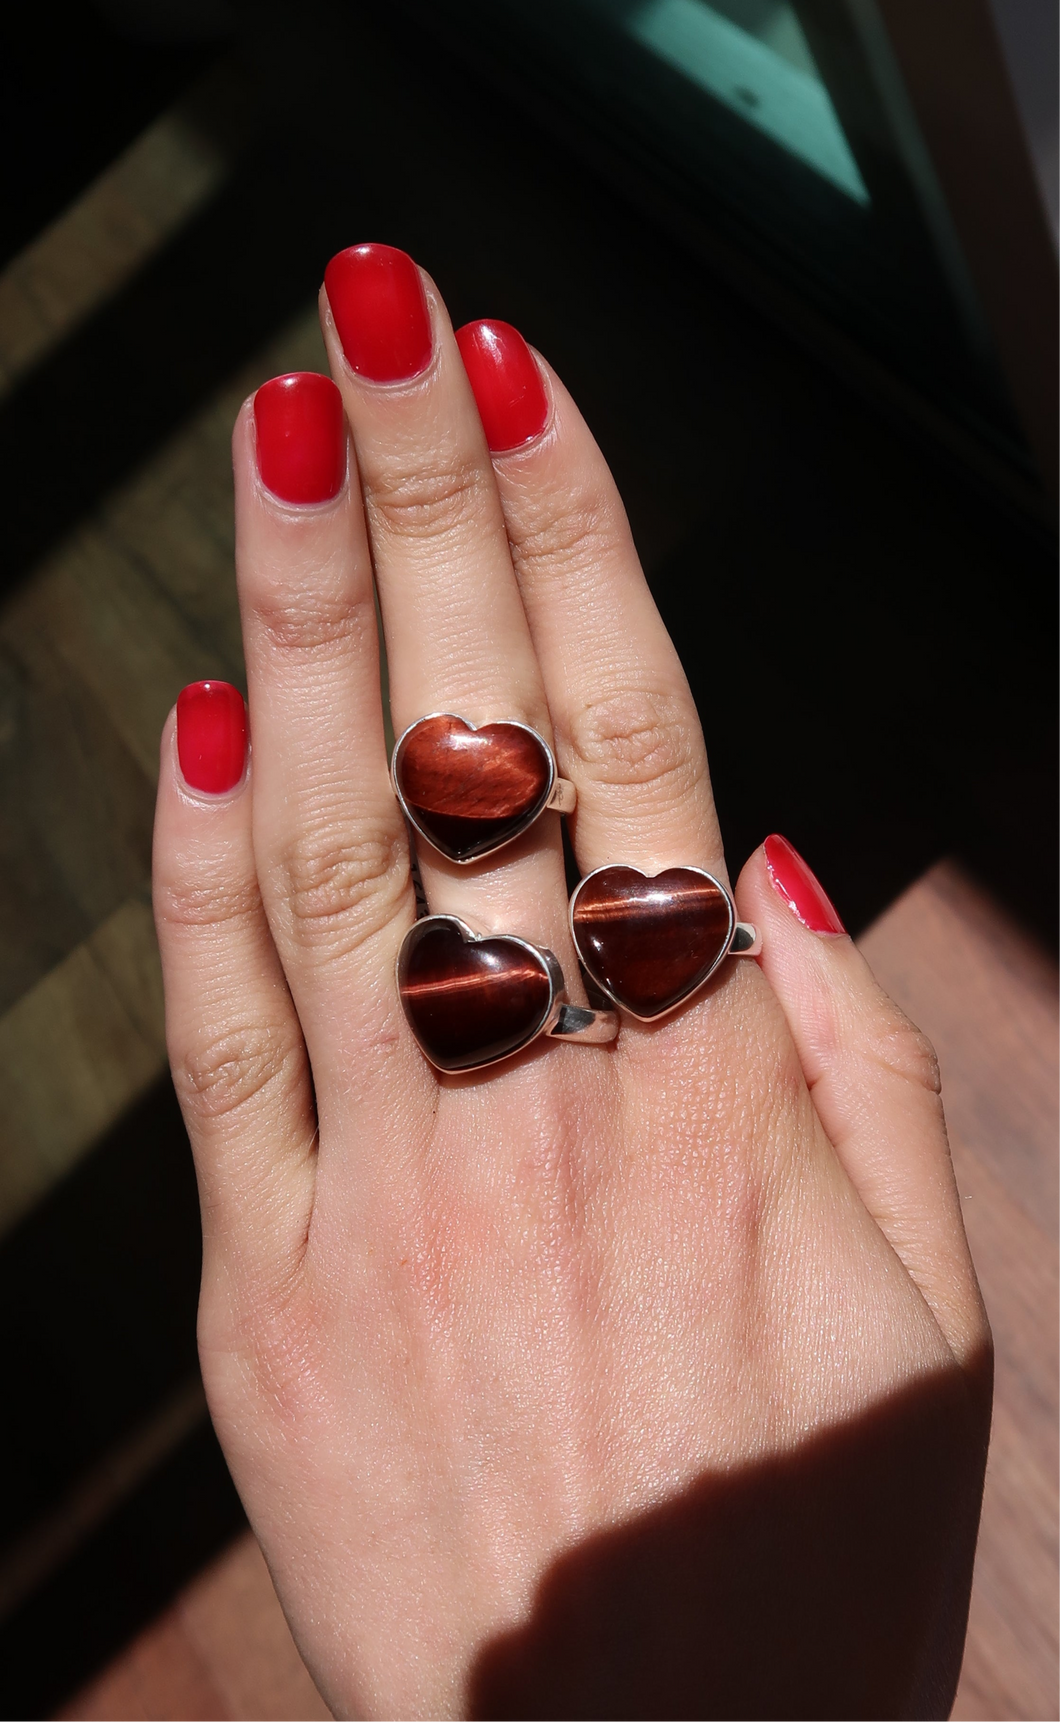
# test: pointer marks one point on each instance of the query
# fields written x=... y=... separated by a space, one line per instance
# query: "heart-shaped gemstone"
x=469 y=790
x=649 y=943
x=470 y=1001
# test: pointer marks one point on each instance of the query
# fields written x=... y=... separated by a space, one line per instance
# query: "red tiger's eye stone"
x=470 y=1001
x=651 y=942
x=470 y=790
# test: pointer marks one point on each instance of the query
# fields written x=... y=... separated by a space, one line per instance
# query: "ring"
x=471 y=999
x=470 y=790
x=650 y=942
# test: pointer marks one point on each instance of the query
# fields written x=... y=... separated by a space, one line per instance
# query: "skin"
x=642 y=1380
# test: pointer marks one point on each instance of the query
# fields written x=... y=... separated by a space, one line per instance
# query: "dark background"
x=868 y=630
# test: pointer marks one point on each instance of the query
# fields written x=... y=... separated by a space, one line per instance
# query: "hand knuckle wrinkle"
x=634 y=738
x=222 y=1074
x=568 y=538
x=311 y=620
x=208 y=903
x=428 y=504
x=580 y=534
x=361 y=878
x=903 y=1050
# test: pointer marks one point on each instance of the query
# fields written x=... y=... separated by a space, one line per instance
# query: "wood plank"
x=987 y=997
x=75 y=1052
x=93 y=652
x=76 y=842
x=225 y=1637
x=49 y=1542
x=159 y=1678
x=986 y=994
x=234 y=1620
x=126 y=215
x=138 y=601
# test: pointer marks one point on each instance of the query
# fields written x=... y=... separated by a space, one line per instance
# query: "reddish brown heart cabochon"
x=470 y=1001
x=649 y=943
x=470 y=790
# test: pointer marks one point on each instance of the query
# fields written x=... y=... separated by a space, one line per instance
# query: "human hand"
x=640 y=1380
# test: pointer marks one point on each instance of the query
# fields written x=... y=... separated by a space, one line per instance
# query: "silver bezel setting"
x=749 y=944
x=530 y=819
x=561 y=1019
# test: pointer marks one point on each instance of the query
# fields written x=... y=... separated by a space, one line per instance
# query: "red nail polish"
x=380 y=311
x=301 y=437
x=506 y=382
x=791 y=879
x=211 y=736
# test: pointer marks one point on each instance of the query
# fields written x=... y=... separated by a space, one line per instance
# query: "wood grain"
x=986 y=996
x=75 y=1052
x=139 y=600
x=159 y=1677
x=124 y=216
x=222 y=1651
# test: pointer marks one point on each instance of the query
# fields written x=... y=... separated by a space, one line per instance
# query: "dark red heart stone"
x=650 y=942
x=469 y=790
x=470 y=1001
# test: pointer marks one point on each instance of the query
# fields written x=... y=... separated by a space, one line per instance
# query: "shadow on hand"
x=829 y=1581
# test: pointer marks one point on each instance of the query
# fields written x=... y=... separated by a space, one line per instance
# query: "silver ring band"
x=564 y=797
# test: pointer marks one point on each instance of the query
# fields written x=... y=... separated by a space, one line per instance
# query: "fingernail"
x=506 y=383
x=380 y=311
x=791 y=879
x=301 y=437
x=211 y=736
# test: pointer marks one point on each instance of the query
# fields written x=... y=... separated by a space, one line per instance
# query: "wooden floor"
x=139 y=599
x=988 y=999
x=223 y=1650
x=93 y=650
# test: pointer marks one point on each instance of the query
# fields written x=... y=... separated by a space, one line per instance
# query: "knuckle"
x=309 y=618
x=903 y=1050
x=576 y=534
x=210 y=902
x=634 y=738
x=345 y=889
x=425 y=505
x=223 y=1073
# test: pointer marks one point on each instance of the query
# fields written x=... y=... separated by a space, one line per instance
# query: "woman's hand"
x=642 y=1380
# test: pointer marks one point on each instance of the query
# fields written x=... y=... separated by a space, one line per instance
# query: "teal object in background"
x=758 y=76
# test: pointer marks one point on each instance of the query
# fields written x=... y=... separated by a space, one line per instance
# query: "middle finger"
x=456 y=631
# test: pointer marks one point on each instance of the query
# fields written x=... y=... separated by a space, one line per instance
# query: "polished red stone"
x=469 y=790
x=470 y=1001
x=649 y=943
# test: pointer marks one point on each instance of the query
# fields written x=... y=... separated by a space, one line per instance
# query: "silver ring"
x=472 y=999
x=649 y=941
x=468 y=789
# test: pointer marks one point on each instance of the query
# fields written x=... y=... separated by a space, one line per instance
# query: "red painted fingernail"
x=301 y=437
x=211 y=736
x=506 y=382
x=380 y=311
x=791 y=879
